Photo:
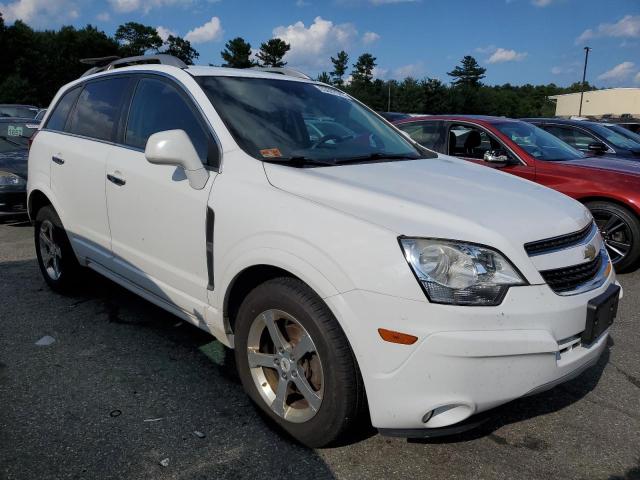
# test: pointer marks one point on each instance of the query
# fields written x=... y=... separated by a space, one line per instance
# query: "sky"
x=517 y=41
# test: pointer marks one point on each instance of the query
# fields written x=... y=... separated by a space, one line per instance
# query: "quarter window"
x=96 y=113
x=158 y=106
x=427 y=134
x=58 y=117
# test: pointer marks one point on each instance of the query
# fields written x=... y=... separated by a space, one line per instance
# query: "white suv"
x=353 y=271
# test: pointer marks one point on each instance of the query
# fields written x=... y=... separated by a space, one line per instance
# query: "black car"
x=591 y=137
x=11 y=110
x=14 y=151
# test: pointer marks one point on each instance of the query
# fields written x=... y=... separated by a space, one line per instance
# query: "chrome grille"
x=567 y=279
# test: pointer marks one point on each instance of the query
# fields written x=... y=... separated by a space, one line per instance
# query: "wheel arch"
x=37 y=199
x=634 y=209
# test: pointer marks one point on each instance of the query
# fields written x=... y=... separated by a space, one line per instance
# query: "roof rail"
x=289 y=72
x=102 y=64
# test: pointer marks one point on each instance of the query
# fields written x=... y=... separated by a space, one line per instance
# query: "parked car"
x=335 y=266
x=623 y=131
x=18 y=111
x=393 y=116
x=593 y=138
x=40 y=115
x=14 y=139
x=608 y=186
x=632 y=124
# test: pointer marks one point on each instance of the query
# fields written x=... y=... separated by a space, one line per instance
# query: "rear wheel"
x=620 y=230
x=296 y=364
x=56 y=258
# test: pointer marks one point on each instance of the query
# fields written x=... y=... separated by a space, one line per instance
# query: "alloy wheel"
x=50 y=251
x=285 y=366
x=616 y=234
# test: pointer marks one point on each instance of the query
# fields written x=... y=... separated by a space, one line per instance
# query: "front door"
x=158 y=221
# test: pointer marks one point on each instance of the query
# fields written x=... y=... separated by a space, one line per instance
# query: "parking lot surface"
x=105 y=385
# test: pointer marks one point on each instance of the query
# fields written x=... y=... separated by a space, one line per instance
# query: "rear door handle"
x=58 y=160
x=116 y=180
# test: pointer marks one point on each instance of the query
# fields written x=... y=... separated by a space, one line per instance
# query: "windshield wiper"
x=299 y=160
x=378 y=156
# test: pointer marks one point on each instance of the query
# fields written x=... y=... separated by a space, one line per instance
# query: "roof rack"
x=290 y=72
x=101 y=64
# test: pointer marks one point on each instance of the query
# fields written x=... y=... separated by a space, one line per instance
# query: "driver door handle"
x=57 y=159
x=116 y=180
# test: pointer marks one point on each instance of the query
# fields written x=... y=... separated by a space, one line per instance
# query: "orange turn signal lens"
x=397 y=337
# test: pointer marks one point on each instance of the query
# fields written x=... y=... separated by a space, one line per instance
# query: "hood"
x=15 y=162
x=615 y=164
x=440 y=197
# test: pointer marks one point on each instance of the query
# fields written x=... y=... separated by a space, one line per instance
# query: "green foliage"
x=137 y=39
x=237 y=54
x=324 y=78
x=272 y=52
x=363 y=68
x=181 y=48
x=340 y=65
x=468 y=73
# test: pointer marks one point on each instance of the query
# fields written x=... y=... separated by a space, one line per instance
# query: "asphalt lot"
x=125 y=385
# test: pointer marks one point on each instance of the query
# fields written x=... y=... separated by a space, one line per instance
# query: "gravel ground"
x=124 y=386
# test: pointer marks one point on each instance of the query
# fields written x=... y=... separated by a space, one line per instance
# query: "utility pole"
x=389 y=100
x=584 y=76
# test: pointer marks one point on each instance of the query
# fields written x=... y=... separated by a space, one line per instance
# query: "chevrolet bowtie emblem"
x=590 y=252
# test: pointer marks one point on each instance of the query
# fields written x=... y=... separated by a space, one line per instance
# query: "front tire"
x=620 y=230
x=296 y=364
x=56 y=259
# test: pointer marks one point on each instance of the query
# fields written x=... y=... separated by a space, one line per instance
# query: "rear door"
x=78 y=152
x=472 y=142
x=158 y=222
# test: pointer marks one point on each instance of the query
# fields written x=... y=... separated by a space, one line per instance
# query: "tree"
x=468 y=74
x=363 y=68
x=181 y=48
x=137 y=39
x=272 y=52
x=237 y=54
x=324 y=78
x=340 y=64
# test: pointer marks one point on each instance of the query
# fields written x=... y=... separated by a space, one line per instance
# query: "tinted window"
x=427 y=134
x=18 y=111
x=96 y=113
x=158 y=106
x=58 y=117
x=538 y=143
x=14 y=136
x=574 y=137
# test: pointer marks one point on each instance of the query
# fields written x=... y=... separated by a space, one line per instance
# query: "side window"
x=58 y=117
x=158 y=106
x=427 y=134
x=574 y=137
x=470 y=142
x=97 y=111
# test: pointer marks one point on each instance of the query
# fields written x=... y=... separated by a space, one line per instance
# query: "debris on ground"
x=152 y=419
x=164 y=462
x=45 y=341
x=199 y=434
x=115 y=413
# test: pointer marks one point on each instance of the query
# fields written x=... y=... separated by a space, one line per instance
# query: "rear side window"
x=58 y=117
x=158 y=106
x=98 y=107
x=427 y=134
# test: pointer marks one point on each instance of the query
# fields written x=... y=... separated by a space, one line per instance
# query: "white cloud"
x=165 y=32
x=302 y=3
x=370 y=37
x=127 y=6
x=103 y=17
x=504 y=55
x=312 y=46
x=557 y=70
x=488 y=49
x=415 y=70
x=39 y=12
x=210 y=31
x=637 y=78
x=619 y=73
x=541 y=3
x=628 y=26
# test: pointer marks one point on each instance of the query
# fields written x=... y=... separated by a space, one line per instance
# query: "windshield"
x=628 y=134
x=15 y=136
x=18 y=111
x=538 y=143
x=283 y=119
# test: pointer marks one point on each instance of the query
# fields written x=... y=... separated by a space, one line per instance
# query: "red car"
x=609 y=187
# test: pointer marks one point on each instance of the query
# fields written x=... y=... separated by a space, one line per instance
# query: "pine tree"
x=468 y=74
x=272 y=52
x=181 y=48
x=137 y=39
x=237 y=54
x=363 y=68
x=340 y=65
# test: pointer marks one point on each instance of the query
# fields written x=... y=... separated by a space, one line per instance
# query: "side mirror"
x=496 y=156
x=597 y=147
x=173 y=147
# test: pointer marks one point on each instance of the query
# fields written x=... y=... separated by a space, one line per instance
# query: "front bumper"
x=467 y=359
x=13 y=203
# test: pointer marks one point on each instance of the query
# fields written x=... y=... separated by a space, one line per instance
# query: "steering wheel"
x=325 y=139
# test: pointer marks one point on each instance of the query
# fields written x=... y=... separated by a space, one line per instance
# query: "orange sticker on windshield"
x=270 y=152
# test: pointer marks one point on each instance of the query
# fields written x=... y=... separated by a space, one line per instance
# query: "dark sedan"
x=14 y=151
x=590 y=137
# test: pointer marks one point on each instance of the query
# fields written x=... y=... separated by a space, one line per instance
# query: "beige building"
x=611 y=101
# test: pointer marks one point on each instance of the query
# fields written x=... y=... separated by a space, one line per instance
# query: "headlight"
x=459 y=273
x=10 y=180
